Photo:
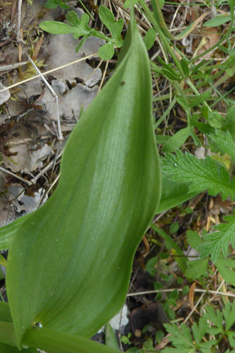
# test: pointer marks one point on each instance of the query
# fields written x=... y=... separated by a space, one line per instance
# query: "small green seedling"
x=80 y=29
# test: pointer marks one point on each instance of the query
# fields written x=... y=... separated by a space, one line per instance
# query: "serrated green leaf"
x=225 y=268
x=172 y=329
x=229 y=314
x=219 y=241
x=205 y=347
x=229 y=121
x=224 y=141
x=177 y=140
x=187 y=334
x=200 y=174
x=196 y=268
x=216 y=317
x=231 y=338
x=180 y=337
x=199 y=330
x=214 y=331
x=69 y=264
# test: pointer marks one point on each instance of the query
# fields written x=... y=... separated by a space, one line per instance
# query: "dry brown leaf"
x=191 y=295
x=37 y=48
x=146 y=245
x=210 y=36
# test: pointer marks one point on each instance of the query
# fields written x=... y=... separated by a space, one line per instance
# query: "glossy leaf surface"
x=70 y=262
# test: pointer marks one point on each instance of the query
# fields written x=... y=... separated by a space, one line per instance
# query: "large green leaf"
x=70 y=262
x=8 y=232
x=60 y=342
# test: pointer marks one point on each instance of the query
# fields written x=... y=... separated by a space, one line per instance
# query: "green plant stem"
x=165 y=113
x=157 y=27
x=60 y=342
x=191 y=85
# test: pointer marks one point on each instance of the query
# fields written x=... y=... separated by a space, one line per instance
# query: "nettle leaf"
x=219 y=241
x=224 y=141
x=70 y=262
x=200 y=174
x=226 y=269
x=229 y=121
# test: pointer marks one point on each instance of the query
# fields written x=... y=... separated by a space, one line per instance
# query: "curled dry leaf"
x=61 y=50
x=69 y=104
